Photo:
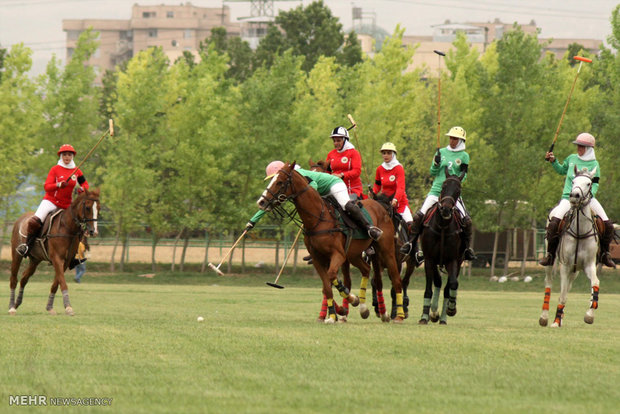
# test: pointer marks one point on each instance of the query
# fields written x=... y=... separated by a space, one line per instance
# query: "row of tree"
x=193 y=138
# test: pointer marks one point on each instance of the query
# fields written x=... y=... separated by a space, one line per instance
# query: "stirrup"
x=469 y=254
x=22 y=249
x=419 y=257
x=607 y=260
x=375 y=233
x=405 y=249
x=547 y=260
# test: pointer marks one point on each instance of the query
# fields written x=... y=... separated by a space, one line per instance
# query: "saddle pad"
x=358 y=234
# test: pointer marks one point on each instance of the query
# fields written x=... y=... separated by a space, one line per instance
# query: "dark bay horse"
x=442 y=247
x=58 y=244
x=327 y=243
x=401 y=238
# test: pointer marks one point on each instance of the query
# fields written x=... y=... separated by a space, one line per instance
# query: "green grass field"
x=259 y=349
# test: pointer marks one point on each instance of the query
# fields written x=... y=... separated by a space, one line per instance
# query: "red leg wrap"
x=381 y=302
x=547 y=297
x=323 y=312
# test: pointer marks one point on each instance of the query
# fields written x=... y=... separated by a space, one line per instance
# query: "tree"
x=351 y=52
x=310 y=32
x=2 y=57
x=239 y=52
x=269 y=48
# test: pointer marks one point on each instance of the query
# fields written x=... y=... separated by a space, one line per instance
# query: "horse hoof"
x=12 y=311
x=451 y=312
x=51 y=312
x=353 y=300
x=329 y=321
x=543 y=321
x=423 y=322
x=385 y=317
x=364 y=311
x=398 y=319
x=342 y=319
x=342 y=311
x=434 y=317
x=69 y=311
x=443 y=322
x=555 y=325
x=588 y=319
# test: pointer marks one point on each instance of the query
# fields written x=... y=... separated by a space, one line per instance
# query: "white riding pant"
x=432 y=199
x=340 y=192
x=406 y=215
x=44 y=209
x=563 y=206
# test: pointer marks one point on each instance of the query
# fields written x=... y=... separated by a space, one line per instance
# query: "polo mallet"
x=110 y=131
x=557 y=131
x=217 y=268
x=357 y=144
x=275 y=282
x=439 y=54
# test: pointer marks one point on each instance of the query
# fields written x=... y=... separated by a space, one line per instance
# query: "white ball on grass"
x=200 y=319
x=527 y=279
x=502 y=279
x=493 y=279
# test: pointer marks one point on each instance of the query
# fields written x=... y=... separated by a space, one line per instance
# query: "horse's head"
x=85 y=209
x=450 y=192
x=581 y=192
x=280 y=188
x=319 y=166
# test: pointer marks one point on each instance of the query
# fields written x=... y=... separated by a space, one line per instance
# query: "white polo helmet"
x=388 y=146
x=340 y=131
x=273 y=168
x=585 y=139
x=457 y=132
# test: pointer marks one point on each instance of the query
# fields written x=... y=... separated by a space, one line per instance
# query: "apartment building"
x=175 y=28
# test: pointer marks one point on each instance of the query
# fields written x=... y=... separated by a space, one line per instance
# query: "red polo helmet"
x=66 y=148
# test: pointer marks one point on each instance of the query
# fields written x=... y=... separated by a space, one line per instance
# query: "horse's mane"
x=385 y=200
x=81 y=196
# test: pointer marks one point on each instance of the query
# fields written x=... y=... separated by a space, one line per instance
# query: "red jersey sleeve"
x=356 y=166
x=377 y=185
x=50 y=182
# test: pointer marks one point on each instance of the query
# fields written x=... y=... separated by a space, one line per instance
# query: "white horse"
x=576 y=251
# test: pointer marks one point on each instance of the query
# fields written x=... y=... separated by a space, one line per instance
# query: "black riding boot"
x=468 y=254
x=553 y=239
x=414 y=233
x=32 y=231
x=606 y=238
x=358 y=217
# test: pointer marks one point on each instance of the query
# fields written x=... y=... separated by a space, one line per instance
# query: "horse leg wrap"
x=594 y=299
x=426 y=308
x=65 y=298
x=345 y=305
x=363 y=285
x=332 y=309
x=399 y=305
x=452 y=299
x=435 y=300
x=547 y=297
x=323 y=312
x=20 y=297
x=380 y=302
x=50 y=302
x=12 y=299
x=559 y=314
x=344 y=292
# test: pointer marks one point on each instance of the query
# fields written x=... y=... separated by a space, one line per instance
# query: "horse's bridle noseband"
x=84 y=221
x=279 y=197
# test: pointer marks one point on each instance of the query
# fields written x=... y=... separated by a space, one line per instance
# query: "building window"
x=174 y=43
x=148 y=15
x=170 y=14
x=70 y=52
x=73 y=34
x=187 y=34
x=152 y=32
x=126 y=35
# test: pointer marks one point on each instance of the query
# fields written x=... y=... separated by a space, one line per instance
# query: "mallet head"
x=439 y=52
x=275 y=285
x=582 y=59
x=218 y=271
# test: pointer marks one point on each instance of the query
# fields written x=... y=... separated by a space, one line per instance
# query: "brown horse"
x=327 y=243
x=61 y=233
x=401 y=233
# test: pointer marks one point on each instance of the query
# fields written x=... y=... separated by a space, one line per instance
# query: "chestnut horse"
x=327 y=243
x=61 y=233
x=442 y=247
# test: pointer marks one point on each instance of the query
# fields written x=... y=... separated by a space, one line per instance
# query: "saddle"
x=347 y=225
x=39 y=248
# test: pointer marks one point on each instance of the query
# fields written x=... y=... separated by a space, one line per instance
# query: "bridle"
x=448 y=198
x=83 y=222
x=280 y=196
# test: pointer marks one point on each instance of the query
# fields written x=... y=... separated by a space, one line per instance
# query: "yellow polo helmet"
x=388 y=146
x=457 y=132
